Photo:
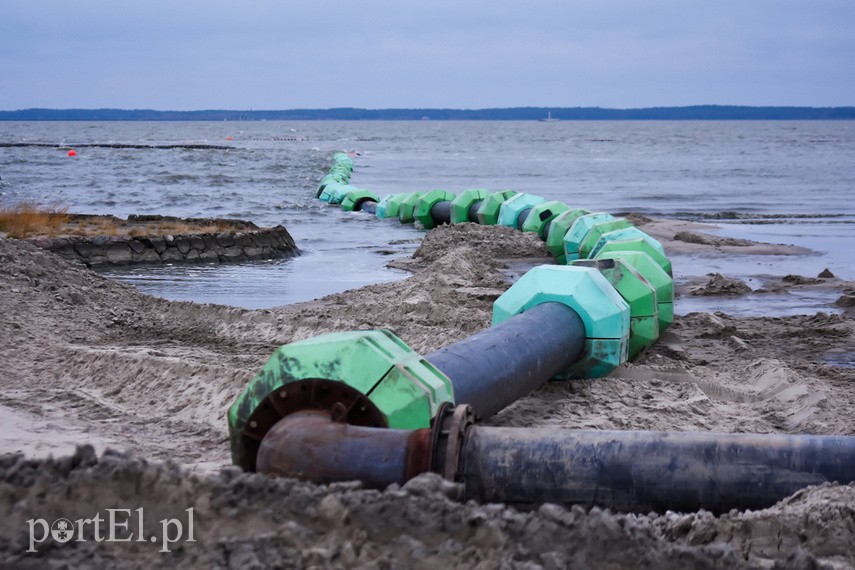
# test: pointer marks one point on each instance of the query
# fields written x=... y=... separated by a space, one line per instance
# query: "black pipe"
x=497 y=366
x=472 y=214
x=620 y=470
x=522 y=218
x=544 y=232
x=367 y=205
x=649 y=471
x=440 y=213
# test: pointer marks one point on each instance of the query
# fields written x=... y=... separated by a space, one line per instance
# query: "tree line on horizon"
x=696 y=112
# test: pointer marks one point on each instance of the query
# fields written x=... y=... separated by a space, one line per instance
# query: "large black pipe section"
x=440 y=213
x=499 y=365
x=649 y=471
x=544 y=233
x=624 y=471
x=472 y=214
x=369 y=206
x=522 y=218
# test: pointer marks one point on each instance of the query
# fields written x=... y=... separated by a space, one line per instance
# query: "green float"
x=541 y=214
x=638 y=244
x=488 y=212
x=461 y=205
x=371 y=369
x=558 y=229
x=583 y=289
x=596 y=232
x=639 y=295
x=428 y=200
x=510 y=210
x=623 y=234
x=580 y=228
x=388 y=206
x=356 y=197
x=406 y=210
x=656 y=276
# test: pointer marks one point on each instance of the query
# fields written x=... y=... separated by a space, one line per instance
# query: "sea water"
x=778 y=181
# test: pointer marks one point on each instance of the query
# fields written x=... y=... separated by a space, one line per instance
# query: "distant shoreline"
x=689 y=113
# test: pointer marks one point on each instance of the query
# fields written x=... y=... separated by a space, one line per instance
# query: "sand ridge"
x=91 y=361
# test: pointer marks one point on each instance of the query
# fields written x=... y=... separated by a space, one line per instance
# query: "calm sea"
x=785 y=182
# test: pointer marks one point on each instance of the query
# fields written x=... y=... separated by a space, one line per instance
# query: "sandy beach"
x=92 y=362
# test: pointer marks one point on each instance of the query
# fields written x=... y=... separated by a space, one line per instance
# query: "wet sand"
x=91 y=361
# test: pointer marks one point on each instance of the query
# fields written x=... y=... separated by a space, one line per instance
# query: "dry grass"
x=28 y=218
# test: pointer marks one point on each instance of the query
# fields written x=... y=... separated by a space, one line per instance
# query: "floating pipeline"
x=364 y=406
x=570 y=234
x=556 y=322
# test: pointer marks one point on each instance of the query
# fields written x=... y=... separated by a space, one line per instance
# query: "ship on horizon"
x=548 y=118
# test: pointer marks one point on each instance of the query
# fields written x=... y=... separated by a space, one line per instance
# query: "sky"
x=471 y=54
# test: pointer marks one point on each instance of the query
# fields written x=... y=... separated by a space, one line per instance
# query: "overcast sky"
x=283 y=54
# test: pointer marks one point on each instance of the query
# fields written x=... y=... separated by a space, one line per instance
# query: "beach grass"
x=29 y=219
x=26 y=219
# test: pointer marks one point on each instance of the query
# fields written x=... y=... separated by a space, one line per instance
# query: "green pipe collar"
x=510 y=210
x=421 y=212
x=488 y=213
x=637 y=244
x=653 y=274
x=583 y=289
x=558 y=229
x=330 y=190
x=330 y=179
x=639 y=295
x=541 y=214
x=406 y=211
x=626 y=233
x=460 y=205
x=335 y=193
x=388 y=206
x=405 y=388
x=580 y=228
x=596 y=232
x=356 y=197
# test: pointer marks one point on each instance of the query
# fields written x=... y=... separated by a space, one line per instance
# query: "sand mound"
x=88 y=360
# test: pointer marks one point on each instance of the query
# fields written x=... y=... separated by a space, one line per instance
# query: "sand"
x=145 y=382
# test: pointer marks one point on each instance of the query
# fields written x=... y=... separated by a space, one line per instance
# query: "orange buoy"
x=72 y=152
x=228 y=138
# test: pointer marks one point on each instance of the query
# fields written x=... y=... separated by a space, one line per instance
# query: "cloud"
x=265 y=54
